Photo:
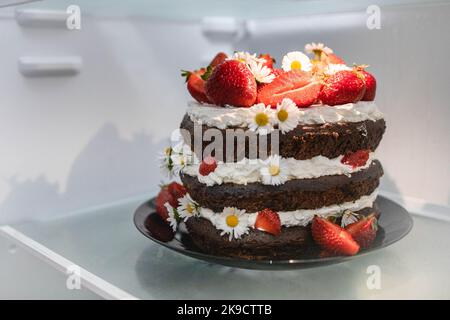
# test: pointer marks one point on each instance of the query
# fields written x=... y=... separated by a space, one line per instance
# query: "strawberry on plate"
x=196 y=84
x=342 y=87
x=218 y=59
x=177 y=190
x=268 y=221
x=208 y=165
x=296 y=85
x=231 y=83
x=169 y=193
x=364 y=231
x=356 y=159
x=332 y=238
x=269 y=60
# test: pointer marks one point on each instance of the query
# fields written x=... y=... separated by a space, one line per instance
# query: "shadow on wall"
x=107 y=169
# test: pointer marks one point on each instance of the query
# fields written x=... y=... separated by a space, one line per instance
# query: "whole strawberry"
x=232 y=83
x=196 y=85
x=169 y=193
x=342 y=87
x=364 y=231
x=371 y=86
x=332 y=238
x=218 y=59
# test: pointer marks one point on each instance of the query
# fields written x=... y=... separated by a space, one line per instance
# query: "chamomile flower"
x=296 y=60
x=286 y=115
x=332 y=68
x=187 y=207
x=274 y=170
x=233 y=222
x=348 y=217
x=260 y=119
x=246 y=57
x=173 y=216
x=262 y=73
x=166 y=162
x=181 y=157
x=317 y=49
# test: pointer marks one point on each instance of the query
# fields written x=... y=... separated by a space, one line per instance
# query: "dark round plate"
x=395 y=223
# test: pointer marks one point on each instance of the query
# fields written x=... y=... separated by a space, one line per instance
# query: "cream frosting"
x=300 y=217
x=224 y=117
x=249 y=171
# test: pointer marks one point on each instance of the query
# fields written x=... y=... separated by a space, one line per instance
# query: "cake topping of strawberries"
x=371 y=83
x=364 y=231
x=356 y=159
x=196 y=84
x=218 y=59
x=208 y=165
x=269 y=61
x=269 y=221
x=231 y=83
x=333 y=238
x=342 y=87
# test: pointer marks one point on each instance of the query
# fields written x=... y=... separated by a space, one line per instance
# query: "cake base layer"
x=292 y=195
x=292 y=242
x=306 y=141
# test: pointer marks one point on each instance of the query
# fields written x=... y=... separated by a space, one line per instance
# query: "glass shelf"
x=105 y=242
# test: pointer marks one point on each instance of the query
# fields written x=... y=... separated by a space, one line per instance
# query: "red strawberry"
x=196 y=85
x=295 y=84
x=269 y=60
x=177 y=191
x=332 y=58
x=218 y=59
x=342 y=87
x=268 y=221
x=163 y=197
x=364 y=231
x=333 y=238
x=371 y=86
x=356 y=159
x=208 y=165
x=231 y=83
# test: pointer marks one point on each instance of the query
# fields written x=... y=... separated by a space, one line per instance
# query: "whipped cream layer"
x=249 y=171
x=224 y=117
x=300 y=217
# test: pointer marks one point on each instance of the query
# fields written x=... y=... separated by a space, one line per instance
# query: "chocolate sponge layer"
x=292 y=195
x=306 y=141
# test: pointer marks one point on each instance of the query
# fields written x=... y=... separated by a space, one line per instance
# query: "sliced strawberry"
x=356 y=159
x=177 y=191
x=269 y=60
x=343 y=87
x=163 y=197
x=334 y=59
x=218 y=59
x=231 y=83
x=268 y=221
x=208 y=165
x=295 y=84
x=333 y=238
x=364 y=231
x=196 y=85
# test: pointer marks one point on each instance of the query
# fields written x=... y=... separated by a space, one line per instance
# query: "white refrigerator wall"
x=76 y=141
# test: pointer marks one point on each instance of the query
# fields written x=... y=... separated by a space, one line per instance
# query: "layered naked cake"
x=277 y=162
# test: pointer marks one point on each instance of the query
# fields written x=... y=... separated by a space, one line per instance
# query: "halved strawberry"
x=356 y=159
x=268 y=221
x=269 y=60
x=163 y=196
x=208 y=165
x=295 y=84
x=177 y=191
x=333 y=238
x=218 y=59
x=364 y=231
x=196 y=85
x=343 y=87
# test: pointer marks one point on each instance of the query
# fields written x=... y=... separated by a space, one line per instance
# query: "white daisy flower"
x=287 y=115
x=181 y=157
x=296 y=60
x=260 y=119
x=275 y=170
x=187 y=207
x=173 y=216
x=348 y=217
x=332 y=68
x=233 y=222
x=262 y=73
x=166 y=162
x=317 y=48
x=246 y=57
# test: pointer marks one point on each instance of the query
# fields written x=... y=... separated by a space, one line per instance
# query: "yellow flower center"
x=241 y=60
x=282 y=115
x=296 y=65
x=189 y=208
x=274 y=170
x=261 y=119
x=182 y=162
x=232 y=221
